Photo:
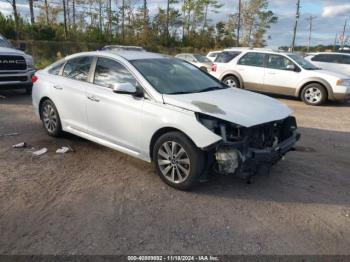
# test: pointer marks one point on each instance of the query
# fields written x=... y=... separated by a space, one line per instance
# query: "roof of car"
x=328 y=53
x=128 y=55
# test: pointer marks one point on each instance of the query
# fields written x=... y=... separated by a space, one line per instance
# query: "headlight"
x=343 y=82
x=228 y=131
x=29 y=61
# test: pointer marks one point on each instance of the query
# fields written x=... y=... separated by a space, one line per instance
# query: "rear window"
x=226 y=57
x=56 y=67
x=327 y=58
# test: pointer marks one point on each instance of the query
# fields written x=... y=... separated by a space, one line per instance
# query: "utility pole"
x=310 y=19
x=343 y=35
x=335 y=42
x=297 y=15
x=239 y=20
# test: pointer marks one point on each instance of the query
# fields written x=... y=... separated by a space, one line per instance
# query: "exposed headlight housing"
x=228 y=131
x=343 y=82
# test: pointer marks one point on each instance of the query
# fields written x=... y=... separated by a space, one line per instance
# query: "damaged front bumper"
x=239 y=159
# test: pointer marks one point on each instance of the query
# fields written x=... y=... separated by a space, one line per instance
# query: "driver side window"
x=278 y=62
x=109 y=71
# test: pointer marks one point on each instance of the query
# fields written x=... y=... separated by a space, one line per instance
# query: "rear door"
x=279 y=78
x=70 y=92
x=251 y=68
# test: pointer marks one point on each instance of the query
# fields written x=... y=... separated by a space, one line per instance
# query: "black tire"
x=314 y=94
x=45 y=108
x=29 y=90
x=193 y=154
x=231 y=81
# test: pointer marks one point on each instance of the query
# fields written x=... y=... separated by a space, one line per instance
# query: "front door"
x=115 y=118
x=281 y=75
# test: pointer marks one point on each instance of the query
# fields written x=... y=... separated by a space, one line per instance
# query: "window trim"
x=244 y=54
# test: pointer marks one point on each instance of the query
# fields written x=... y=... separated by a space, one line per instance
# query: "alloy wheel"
x=231 y=82
x=50 y=118
x=173 y=162
x=313 y=95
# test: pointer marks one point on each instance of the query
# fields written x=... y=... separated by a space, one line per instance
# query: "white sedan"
x=163 y=110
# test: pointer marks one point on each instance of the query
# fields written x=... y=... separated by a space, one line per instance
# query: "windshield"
x=303 y=62
x=5 y=43
x=174 y=76
x=202 y=59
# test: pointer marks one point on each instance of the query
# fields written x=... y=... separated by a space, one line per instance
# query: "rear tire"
x=231 y=81
x=50 y=118
x=178 y=162
x=314 y=94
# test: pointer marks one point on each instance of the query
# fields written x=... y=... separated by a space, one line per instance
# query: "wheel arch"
x=161 y=132
x=42 y=100
x=321 y=82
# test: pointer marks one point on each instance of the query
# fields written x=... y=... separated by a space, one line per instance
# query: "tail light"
x=214 y=67
x=34 y=78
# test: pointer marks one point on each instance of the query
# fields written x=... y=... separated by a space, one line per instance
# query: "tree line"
x=174 y=23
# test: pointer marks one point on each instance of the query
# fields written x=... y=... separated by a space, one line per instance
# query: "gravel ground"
x=99 y=201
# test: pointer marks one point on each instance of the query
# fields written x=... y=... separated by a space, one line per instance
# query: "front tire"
x=178 y=162
x=314 y=94
x=50 y=118
x=231 y=81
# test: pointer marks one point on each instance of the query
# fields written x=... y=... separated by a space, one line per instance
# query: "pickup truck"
x=16 y=67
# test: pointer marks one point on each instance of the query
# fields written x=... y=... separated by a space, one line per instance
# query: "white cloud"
x=336 y=10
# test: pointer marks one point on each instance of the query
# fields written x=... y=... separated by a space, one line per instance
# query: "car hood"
x=10 y=51
x=238 y=106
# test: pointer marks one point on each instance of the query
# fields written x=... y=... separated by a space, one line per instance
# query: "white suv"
x=164 y=110
x=281 y=73
x=336 y=62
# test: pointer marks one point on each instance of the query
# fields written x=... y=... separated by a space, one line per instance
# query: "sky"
x=330 y=17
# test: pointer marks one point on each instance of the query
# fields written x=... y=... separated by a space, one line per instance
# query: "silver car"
x=166 y=111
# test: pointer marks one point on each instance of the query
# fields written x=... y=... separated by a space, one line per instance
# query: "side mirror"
x=126 y=88
x=291 y=67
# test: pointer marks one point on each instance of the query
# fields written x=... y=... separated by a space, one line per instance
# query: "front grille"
x=10 y=62
x=271 y=134
x=13 y=78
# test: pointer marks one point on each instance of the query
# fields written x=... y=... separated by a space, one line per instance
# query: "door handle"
x=271 y=73
x=92 y=98
x=58 y=87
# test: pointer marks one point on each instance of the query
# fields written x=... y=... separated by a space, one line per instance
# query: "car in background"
x=123 y=47
x=16 y=67
x=166 y=111
x=282 y=73
x=336 y=62
x=199 y=61
x=212 y=55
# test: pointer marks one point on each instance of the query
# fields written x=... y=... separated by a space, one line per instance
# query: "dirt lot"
x=98 y=201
